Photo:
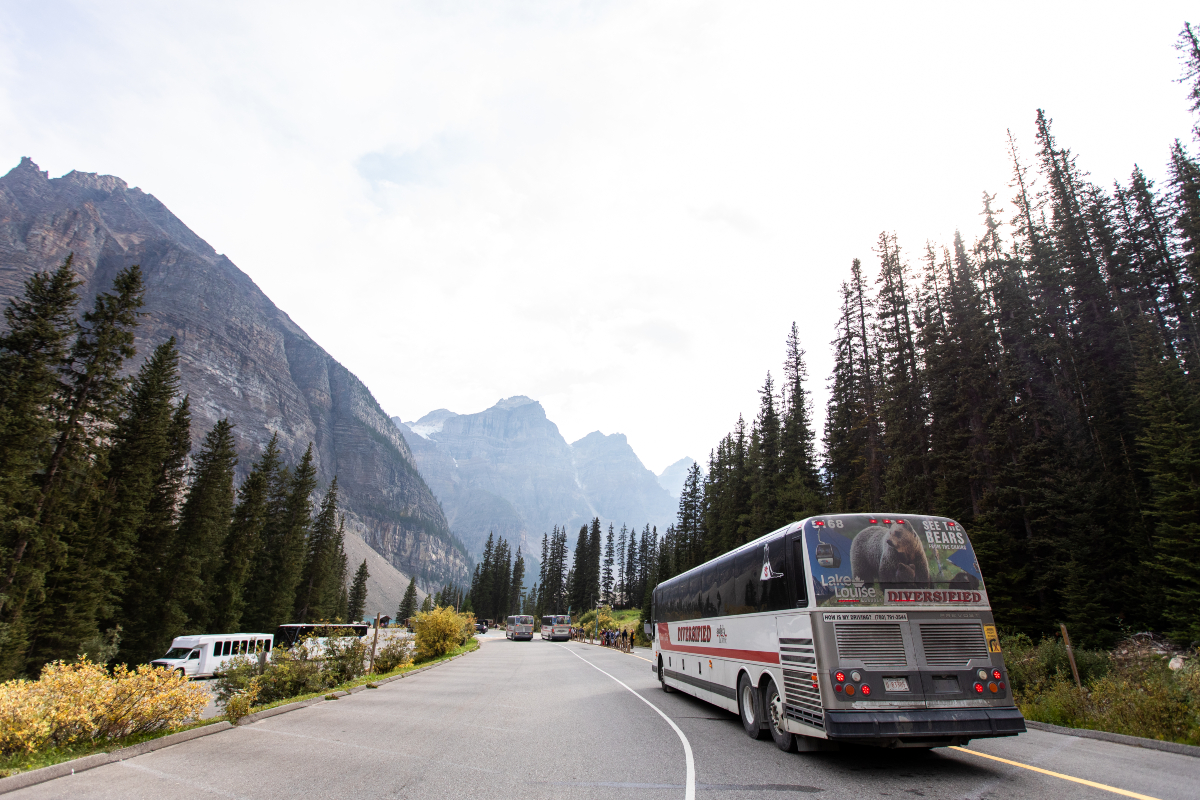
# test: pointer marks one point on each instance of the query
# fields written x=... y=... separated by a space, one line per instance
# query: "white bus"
x=556 y=627
x=519 y=627
x=864 y=628
x=201 y=656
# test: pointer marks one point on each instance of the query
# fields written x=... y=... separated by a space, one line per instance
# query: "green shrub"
x=397 y=652
x=1137 y=696
x=343 y=659
x=1033 y=668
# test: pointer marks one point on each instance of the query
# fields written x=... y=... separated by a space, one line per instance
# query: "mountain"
x=240 y=357
x=508 y=470
x=672 y=477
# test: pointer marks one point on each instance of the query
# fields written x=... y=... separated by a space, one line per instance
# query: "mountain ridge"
x=508 y=470
x=241 y=356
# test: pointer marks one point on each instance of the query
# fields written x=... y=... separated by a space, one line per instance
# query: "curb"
x=66 y=768
x=1118 y=738
x=36 y=776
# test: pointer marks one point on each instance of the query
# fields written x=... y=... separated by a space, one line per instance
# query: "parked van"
x=201 y=656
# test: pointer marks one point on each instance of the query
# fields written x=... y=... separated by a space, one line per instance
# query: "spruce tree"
x=408 y=604
x=517 y=583
x=148 y=582
x=358 y=592
x=204 y=524
x=606 y=569
x=321 y=571
x=33 y=351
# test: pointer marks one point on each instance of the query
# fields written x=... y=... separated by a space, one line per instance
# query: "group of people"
x=617 y=639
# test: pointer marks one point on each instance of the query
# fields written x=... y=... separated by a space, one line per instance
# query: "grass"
x=1130 y=691
x=24 y=762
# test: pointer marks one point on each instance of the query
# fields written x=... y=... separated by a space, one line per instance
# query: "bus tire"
x=776 y=721
x=662 y=678
x=748 y=707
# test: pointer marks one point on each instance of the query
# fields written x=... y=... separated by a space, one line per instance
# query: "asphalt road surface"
x=544 y=720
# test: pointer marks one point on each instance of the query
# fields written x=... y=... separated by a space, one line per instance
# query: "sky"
x=615 y=208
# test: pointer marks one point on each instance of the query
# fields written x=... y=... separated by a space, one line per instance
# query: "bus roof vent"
x=875 y=644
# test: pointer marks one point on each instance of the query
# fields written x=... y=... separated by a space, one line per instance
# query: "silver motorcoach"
x=868 y=628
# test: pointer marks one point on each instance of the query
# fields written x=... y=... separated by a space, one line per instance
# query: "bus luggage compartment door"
x=798 y=662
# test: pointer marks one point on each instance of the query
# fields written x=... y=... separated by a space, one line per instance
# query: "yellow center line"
x=1093 y=784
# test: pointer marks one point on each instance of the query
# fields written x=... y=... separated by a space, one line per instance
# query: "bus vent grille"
x=953 y=644
x=803 y=699
x=876 y=645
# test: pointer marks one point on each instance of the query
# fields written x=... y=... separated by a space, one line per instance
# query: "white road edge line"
x=689 y=788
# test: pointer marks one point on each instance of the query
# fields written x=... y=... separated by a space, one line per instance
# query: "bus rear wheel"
x=748 y=707
x=662 y=678
x=784 y=740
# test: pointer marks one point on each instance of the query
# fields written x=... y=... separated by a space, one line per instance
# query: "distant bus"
x=201 y=656
x=858 y=628
x=556 y=627
x=519 y=626
x=287 y=635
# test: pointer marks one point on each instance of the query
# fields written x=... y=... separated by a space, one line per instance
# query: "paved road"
x=542 y=720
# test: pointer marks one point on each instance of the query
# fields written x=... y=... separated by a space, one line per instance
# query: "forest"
x=114 y=536
x=1038 y=384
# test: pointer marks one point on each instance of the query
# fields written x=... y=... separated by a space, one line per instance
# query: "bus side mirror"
x=649 y=629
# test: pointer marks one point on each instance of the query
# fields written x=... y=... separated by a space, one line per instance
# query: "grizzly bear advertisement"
x=892 y=560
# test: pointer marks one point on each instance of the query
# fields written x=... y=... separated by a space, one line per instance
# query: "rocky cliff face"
x=508 y=470
x=241 y=357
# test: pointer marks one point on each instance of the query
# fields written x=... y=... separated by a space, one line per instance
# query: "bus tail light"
x=866 y=690
x=992 y=687
x=979 y=688
x=840 y=677
x=837 y=687
x=996 y=674
x=849 y=688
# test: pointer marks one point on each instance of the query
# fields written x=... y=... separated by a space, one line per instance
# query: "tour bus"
x=519 y=626
x=201 y=656
x=287 y=635
x=556 y=627
x=855 y=628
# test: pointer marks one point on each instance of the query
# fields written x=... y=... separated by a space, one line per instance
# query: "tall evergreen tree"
x=358 y=593
x=322 y=571
x=408 y=605
x=204 y=524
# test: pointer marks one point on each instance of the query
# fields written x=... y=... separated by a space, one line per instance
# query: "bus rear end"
x=903 y=649
x=556 y=627
x=520 y=627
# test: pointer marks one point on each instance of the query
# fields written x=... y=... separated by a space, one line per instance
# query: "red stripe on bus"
x=761 y=656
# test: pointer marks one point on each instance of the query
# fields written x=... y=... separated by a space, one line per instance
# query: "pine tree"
x=408 y=605
x=606 y=574
x=148 y=582
x=321 y=571
x=289 y=518
x=517 y=583
x=427 y=604
x=358 y=593
x=33 y=351
x=204 y=524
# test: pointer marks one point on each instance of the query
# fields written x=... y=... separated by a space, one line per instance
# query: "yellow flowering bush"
x=82 y=702
x=439 y=631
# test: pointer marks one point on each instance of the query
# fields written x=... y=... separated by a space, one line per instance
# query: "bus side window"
x=799 y=576
x=267 y=643
x=746 y=569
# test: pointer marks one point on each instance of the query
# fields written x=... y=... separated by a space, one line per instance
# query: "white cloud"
x=617 y=208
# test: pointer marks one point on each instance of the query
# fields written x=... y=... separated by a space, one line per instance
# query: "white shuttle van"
x=201 y=656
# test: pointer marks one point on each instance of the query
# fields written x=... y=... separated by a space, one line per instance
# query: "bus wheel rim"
x=777 y=712
x=748 y=703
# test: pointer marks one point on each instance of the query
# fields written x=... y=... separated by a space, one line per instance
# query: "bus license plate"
x=895 y=684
